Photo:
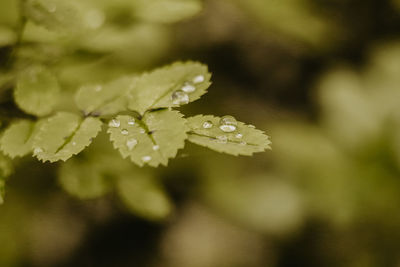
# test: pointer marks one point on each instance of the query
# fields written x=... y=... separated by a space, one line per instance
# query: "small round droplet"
x=146 y=158
x=188 y=88
x=228 y=124
x=239 y=136
x=74 y=143
x=124 y=132
x=179 y=98
x=131 y=143
x=207 y=125
x=243 y=143
x=131 y=121
x=37 y=150
x=222 y=139
x=114 y=123
x=156 y=147
x=98 y=88
x=198 y=79
x=142 y=130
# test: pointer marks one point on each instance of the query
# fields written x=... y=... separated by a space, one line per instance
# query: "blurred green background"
x=320 y=77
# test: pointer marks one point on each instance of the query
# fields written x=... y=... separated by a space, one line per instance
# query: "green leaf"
x=85 y=179
x=55 y=15
x=156 y=89
x=245 y=140
x=37 y=91
x=144 y=196
x=104 y=99
x=152 y=140
x=63 y=135
x=6 y=170
x=167 y=11
x=17 y=139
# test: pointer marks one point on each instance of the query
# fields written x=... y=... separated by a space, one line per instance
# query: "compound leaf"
x=170 y=86
x=245 y=140
x=63 y=135
x=167 y=11
x=37 y=91
x=104 y=99
x=84 y=179
x=17 y=139
x=144 y=196
x=152 y=140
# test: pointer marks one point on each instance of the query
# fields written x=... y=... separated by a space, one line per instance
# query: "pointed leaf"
x=167 y=11
x=156 y=89
x=104 y=99
x=63 y=135
x=245 y=140
x=18 y=138
x=152 y=140
x=84 y=179
x=37 y=91
x=144 y=196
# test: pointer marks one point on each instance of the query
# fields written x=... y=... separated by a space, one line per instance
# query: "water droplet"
x=131 y=143
x=198 y=79
x=207 y=125
x=188 y=88
x=142 y=130
x=243 y=143
x=228 y=124
x=114 y=123
x=74 y=143
x=146 y=158
x=251 y=126
x=156 y=147
x=131 y=121
x=98 y=88
x=239 y=136
x=179 y=98
x=222 y=139
x=37 y=150
x=124 y=132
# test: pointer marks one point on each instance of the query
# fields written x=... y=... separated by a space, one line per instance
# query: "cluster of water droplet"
x=181 y=96
x=227 y=124
x=131 y=142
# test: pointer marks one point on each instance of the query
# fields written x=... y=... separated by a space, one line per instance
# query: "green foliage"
x=56 y=41
x=156 y=89
x=37 y=91
x=63 y=135
x=17 y=139
x=245 y=140
x=152 y=140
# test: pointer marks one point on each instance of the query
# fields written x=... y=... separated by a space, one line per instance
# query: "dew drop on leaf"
x=146 y=158
x=207 y=125
x=131 y=143
x=188 y=88
x=228 y=124
x=114 y=123
x=124 y=132
x=252 y=126
x=198 y=79
x=239 y=136
x=179 y=98
x=243 y=143
x=156 y=147
x=98 y=88
x=37 y=150
x=131 y=122
x=142 y=130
